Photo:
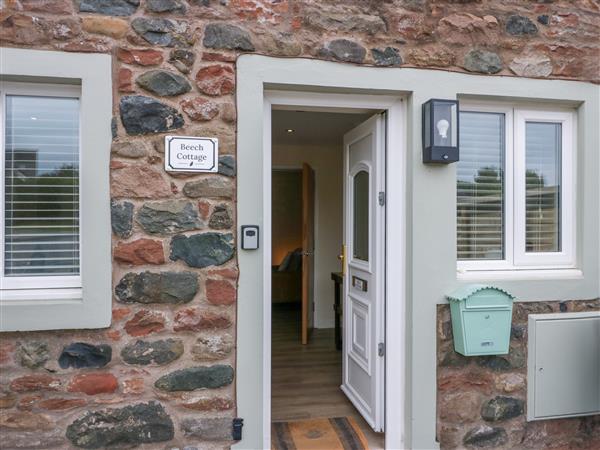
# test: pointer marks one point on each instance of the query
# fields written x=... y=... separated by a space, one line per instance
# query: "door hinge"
x=381 y=349
x=381 y=198
x=236 y=433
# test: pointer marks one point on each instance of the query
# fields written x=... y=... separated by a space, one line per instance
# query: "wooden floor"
x=306 y=378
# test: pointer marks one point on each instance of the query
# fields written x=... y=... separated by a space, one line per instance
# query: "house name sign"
x=191 y=154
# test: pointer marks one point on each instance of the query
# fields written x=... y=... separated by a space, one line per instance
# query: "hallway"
x=306 y=379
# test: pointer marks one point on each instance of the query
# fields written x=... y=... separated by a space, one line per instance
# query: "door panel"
x=364 y=237
x=308 y=247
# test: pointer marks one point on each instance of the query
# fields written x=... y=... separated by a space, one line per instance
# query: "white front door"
x=364 y=288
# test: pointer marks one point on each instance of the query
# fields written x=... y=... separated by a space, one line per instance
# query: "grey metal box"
x=563 y=367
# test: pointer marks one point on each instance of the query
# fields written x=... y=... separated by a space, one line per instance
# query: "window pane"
x=542 y=186
x=41 y=201
x=480 y=187
x=361 y=216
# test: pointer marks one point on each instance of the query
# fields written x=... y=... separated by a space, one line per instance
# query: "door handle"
x=342 y=258
x=307 y=253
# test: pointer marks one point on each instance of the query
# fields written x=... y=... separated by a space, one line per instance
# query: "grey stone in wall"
x=160 y=6
x=227 y=165
x=486 y=436
x=183 y=60
x=502 y=408
x=163 y=83
x=208 y=428
x=220 y=219
x=145 y=115
x=216 y=187
x=121 y=215
x=203 y=377
x=163 y=287
x=344 y=50
x=388 y=56
x=482 y=61
x=33 y=354
x=203 y=250
x=162 y=32
x=520 y=25
x=227 y=36
x=156 y=352
x=126 y=427
x=168 y=217
x=109 y=7
x=81 y=354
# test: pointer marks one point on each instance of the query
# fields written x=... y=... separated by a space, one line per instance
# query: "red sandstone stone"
x=133 y=386
x=215 y=80
x=27 y=402
x=49 y=6
x=39 y=382
x=6 y=352
x=231 y=274
x=220 y=292
x=460 y=406
x=208 y=404
x=61 y=404
x=144 y=57
x=203 y=209
x=145 y=322
x=114 y=335
x=465 y=380
x=24 y=420
x=87 y=45
x=120 y=313
x=199 y=109
x=137 y=181
x=117 y=164
x=124 y=80
x=7 y=400
x=141 y=251
x=217 y=57
x=23 y=29
x=193 y=319
x=94 y=383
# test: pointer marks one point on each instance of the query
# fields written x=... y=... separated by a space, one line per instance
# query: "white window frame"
x=66 y=302
x=12 y=284
x=564 y=258
x=515 y=258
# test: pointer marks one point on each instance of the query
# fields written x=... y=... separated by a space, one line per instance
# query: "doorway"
x=327 y=225
x=254 y=207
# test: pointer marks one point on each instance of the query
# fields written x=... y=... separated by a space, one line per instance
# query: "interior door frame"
x=395 y=244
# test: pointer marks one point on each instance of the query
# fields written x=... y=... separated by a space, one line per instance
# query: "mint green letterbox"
x=481 y=319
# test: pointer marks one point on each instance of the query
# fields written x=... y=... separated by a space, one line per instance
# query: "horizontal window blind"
x=41 y=186
x=542 y=186
x=480 y=186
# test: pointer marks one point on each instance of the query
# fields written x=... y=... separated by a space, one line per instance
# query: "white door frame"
x=395 y=251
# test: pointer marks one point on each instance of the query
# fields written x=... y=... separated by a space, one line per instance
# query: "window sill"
x=32 y=296
x=520 y=274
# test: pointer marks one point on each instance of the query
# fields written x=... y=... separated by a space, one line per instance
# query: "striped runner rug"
x=338 y=433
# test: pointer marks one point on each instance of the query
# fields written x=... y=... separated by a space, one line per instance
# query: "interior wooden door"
x=364 y=239
x=308 y=247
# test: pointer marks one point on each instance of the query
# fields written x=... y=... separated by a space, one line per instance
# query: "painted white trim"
x=566 y=257
x=32 y=284
x=87 y=306
x=395 y=335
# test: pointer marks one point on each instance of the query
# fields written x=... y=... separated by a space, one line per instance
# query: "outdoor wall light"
x=440 y=131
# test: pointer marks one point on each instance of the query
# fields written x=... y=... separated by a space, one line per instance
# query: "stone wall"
x=482 y=400
x=163 y=373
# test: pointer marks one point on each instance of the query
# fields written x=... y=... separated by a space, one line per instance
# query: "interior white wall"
x=327 y=164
